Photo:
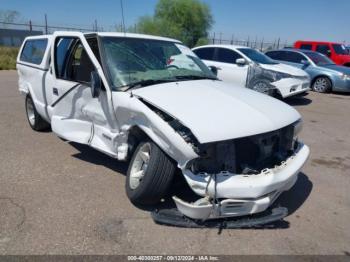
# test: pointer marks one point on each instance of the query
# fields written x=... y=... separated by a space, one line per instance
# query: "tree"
x=8 y=16
x=186 y=20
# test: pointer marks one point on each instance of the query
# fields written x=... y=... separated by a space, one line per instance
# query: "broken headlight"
x=276 y=76
x=297 y=127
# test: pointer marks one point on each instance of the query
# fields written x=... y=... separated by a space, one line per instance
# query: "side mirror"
x=96 y=84
x=241 y=62
x=305 y=62
x=214 y=70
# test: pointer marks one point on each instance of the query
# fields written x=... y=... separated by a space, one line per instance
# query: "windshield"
x=319 y=59
x=133 y=61
x=340 y=49
x=257 y=57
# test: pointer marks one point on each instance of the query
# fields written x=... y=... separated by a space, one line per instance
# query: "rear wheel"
x=149 y=175
x=322 y=85
x=35 y=121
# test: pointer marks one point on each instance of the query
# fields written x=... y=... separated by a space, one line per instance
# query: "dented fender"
x=132 y=112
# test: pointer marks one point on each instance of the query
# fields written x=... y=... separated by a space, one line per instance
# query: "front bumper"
x=241 y=194
x=290 y=86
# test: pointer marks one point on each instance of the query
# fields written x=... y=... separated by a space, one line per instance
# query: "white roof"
x=233 y=47
x=131 y=35
x=110 y=34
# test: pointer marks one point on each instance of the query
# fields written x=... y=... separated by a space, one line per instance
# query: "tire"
x=322 y=84
x=35 y=121
x=262 y=86
x=148 y=178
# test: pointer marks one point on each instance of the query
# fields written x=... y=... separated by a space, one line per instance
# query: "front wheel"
x=149 y=175
x=322 y=85
x=262 y=86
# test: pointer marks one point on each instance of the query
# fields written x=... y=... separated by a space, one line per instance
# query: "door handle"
x=55 y=91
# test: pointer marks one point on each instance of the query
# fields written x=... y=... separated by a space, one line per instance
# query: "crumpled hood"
x=216 y=111
x=283 y=68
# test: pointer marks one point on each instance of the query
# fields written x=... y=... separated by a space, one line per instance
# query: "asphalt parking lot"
x=62 y=198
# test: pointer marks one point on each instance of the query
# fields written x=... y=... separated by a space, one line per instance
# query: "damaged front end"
x=243 y=176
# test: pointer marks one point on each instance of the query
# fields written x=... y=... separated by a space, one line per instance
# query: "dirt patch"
x=112 y=230
x=12 y=218
x=335 y=162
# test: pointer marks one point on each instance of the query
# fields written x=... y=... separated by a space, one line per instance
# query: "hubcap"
x=139 y=166
x=320 y=85
x=261 y=87
x=30 y=111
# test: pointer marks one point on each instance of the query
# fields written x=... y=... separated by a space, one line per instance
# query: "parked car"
x=325 y=74
x=335 y=51
x=248 y=67
x=237 y=149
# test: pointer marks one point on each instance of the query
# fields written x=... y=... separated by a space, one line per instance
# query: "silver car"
x=325 y=75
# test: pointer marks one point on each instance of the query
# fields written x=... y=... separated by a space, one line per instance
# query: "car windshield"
x=340 y=49
x=257 y=57
x=134 y=62
x=319 y=59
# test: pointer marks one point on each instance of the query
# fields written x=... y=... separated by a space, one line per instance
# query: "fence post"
x=46 y=31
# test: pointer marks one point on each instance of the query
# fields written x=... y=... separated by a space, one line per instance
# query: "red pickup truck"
x=335 y=51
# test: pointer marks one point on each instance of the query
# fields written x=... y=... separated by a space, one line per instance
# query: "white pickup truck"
x=124 y=95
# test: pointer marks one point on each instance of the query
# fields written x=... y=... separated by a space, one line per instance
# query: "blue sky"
x=289 y=20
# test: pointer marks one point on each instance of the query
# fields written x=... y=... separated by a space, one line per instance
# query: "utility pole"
x=123 y=20
x=96 y=29
x=30 y=26
x=46 y=30
x=278 y=43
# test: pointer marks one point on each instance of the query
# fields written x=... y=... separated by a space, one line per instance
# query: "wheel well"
x=136 y=135
x=316 y=77
x=346 y=64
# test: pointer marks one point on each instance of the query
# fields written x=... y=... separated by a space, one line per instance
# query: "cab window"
x=227 y=56
x=306 y=46
x=34 y=51
x=206 y=53
x=72 y=61
x=323 y=49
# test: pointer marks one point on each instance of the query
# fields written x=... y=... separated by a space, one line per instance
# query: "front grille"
x=247 y=155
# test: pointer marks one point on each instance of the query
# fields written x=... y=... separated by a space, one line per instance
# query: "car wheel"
x=149 y=175
x=322 y=85
x=35 y=121
x=262 y=86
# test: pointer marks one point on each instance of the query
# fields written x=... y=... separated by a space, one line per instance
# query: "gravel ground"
x=63 y=198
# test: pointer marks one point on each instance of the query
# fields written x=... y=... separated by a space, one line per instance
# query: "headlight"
x=345 y=77
x=276 y=76
x=298 y=126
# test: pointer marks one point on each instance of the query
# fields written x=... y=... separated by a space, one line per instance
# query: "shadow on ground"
x=292 y=199
x=91 y=155
x=298 y=101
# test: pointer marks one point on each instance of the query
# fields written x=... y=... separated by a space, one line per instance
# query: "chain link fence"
x=261 y=45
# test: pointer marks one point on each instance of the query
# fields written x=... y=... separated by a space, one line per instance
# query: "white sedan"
x=250 y=68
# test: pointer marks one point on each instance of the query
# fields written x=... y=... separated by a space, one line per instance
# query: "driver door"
x=75 y=114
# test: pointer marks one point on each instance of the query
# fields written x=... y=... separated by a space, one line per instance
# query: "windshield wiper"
x=194 y=77
x=147 y=82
